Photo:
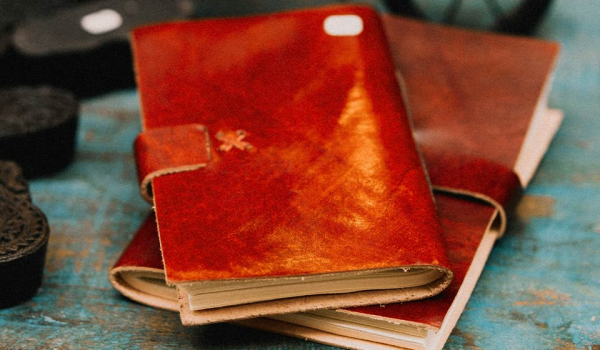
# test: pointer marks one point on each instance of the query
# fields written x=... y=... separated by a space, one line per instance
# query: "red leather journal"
x=473 y=140
x=478 y=102
x=278 y=155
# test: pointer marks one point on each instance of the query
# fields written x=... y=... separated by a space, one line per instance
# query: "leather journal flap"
x=168 y=150
x=478 y=178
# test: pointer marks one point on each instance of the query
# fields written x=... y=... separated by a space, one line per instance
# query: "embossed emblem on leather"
x=232 y=139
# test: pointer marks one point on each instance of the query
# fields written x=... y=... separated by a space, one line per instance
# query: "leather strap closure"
x=169 y=150
x=478 y=178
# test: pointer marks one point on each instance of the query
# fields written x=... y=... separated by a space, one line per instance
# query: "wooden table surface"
x=539 y=290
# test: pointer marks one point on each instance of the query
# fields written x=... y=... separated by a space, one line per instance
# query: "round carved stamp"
x=24 y=236
x=38 y=128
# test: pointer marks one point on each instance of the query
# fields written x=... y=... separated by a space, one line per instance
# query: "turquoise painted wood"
x=539 y=290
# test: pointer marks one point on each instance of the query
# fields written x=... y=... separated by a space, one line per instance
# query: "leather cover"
x=471 y=95
x=142 y=255
x=446 y=91
x=311 y=155
x=466 y=223
x=472 y=98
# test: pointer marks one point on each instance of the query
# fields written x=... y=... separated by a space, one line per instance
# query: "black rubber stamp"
x=24 y=236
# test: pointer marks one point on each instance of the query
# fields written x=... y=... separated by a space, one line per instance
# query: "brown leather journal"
x=473 y=141
x=478 y=102
x=280 y=162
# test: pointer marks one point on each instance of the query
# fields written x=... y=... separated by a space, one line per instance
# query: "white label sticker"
x=343 y=25
x=101 y=22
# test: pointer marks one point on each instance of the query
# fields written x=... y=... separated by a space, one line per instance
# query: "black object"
x=13 y=11
x=525 y=18
x=3 y=41
x=521 y=19
x=86 y=73
x=82 y=47
x=38 y=128
x=24 y=236
x=91 y=24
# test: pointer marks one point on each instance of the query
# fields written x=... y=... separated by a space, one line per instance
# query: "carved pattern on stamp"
x=23 y=227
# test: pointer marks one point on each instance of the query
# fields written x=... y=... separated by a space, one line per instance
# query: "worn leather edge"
x=324 y=337
x=440 y=333
x=262 y=323
x=153 y=158
x=500 y=221
x=306 y=303
x=482 y=254
x=146 y=183
x=480 y=179
x=116 y=280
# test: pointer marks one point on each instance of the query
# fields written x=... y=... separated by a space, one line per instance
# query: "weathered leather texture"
x=461 y=82
x=312 y=166
x=452 y=128
x=144 y=248
x=166 y=150
x=331 y=167
x=464 y=222
x=471 y=98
